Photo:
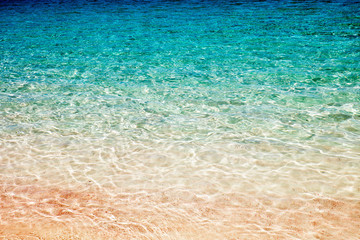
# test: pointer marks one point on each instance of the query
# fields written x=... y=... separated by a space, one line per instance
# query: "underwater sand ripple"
x=31 y=211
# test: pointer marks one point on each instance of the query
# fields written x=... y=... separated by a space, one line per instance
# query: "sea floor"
x=31 y=211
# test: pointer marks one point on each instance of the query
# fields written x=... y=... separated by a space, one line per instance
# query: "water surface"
x=180 y=119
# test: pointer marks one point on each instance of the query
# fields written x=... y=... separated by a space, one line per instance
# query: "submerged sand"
x=32 y=211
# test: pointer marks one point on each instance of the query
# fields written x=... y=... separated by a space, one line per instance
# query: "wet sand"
x=31 y=211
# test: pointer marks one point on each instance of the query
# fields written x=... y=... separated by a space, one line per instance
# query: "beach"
x=179 y=120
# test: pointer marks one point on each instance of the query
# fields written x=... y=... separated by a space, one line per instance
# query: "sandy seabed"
x=32 y=211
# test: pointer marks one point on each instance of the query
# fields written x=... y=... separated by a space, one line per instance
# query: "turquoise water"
x=213 y=97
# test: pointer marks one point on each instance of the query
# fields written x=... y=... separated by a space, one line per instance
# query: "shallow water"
x=180 y=119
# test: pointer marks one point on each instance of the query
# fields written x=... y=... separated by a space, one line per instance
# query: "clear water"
x=190 y=109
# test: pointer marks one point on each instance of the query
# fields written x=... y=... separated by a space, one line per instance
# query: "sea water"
x=180 y=119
